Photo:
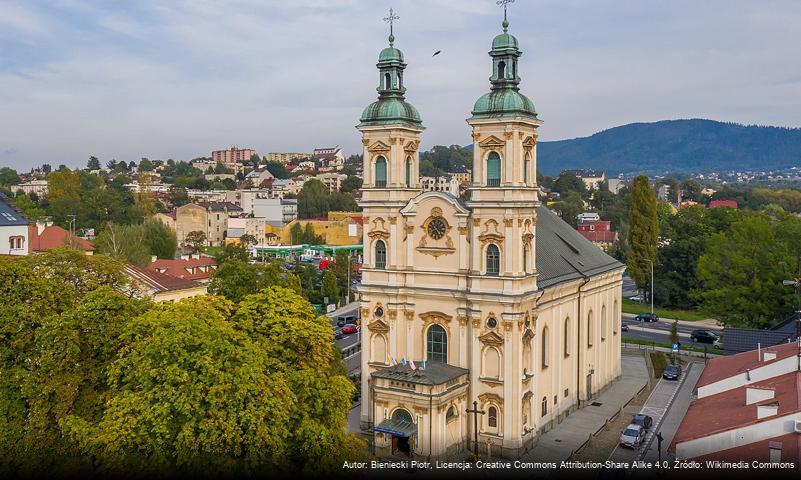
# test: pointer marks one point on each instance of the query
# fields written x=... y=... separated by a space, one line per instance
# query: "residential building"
x=199 y=268
x=588 y=217
x=461 y=174
x=663 y=193
x=615 y=184
x=307 y=165
x=211 y=218
x=493 y=300
x=332 y=181
x=207 y=195
x=45 y=237
x=286 y=158
x=39 y=187
x=253 y=226
x=14 y=236
x=232 y=155
x=330 y=156
x=257 y=177
x=270 y=209
x=447 y=184
x=598 y=232
x=338 y=228
x=161 y=287
x=289 y=209
x=167 y=219
x=591 y=178
x=747 y=408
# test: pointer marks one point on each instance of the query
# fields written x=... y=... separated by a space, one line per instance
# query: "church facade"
x=491 y=303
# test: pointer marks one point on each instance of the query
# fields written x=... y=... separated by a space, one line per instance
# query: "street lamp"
x=652 y=286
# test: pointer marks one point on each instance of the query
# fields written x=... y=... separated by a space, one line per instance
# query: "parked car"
x=625 y=327
x=636 y=298
x=703 y=336
x=672 y=372
x=349 y=329
x=643 y=420
x=647 y=317
x=632 y=436
x=338 y=334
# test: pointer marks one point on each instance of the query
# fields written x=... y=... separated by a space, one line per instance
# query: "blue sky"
x=179 y=78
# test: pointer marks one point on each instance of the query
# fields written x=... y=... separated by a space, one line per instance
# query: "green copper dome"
x=390 y=110
x=504 y=98
x=504 y=41
x=505 y=102
x=390 y=54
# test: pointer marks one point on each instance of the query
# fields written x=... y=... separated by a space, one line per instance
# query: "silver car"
x=632 y=436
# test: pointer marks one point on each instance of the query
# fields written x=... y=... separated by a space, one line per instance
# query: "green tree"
x=691 y=190
x=145 y=165
x=126 y=243
x=341 y=265
x=63 y=196
x=277 y=169
x=742 y=269
x=93 y=163
x=8 y=176
x=568 y=182
x=28 y=207
x=235 y=278
x=569 y=207
x=643 y=233
x=296 y=233
x=313 y=199
x=350 y=184
x=247 y=240
x=232 y=251
x=330 y=288
x=159 y=238
x=196 y=240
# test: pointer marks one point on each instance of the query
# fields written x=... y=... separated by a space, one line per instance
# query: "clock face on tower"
x=436 y=228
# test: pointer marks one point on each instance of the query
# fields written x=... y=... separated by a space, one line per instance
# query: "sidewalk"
x=574 y=431
x=344 y=309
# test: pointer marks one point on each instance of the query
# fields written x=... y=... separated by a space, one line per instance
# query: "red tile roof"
x=185 y=269
x=55 y=237
x=727 y=410
x=722 y=203
x=730 y=365
x=790 y=445
x=158 y=281
x=601 y=236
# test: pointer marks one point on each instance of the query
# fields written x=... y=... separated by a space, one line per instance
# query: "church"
x=488 y=311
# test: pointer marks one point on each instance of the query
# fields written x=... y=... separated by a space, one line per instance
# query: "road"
x=659 y=331
x=349 y=345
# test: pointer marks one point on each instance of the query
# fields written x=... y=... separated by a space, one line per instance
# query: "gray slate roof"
x=435 y=373
x=563 y=254
x=9 y=215
x=738 y=340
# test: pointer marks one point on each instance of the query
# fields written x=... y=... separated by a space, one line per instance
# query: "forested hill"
x=671 y=146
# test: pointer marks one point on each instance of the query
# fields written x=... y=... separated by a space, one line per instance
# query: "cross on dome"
x=504 y=3
x=391 y=20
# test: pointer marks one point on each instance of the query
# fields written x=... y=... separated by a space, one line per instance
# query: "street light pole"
x=652 y=286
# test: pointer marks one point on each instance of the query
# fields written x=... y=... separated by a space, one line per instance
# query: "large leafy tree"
x=330 y=288
x=63 y=195
x=643 y=233
x=159 y=238
x=569 y=207
x=236 y=278
x=126 y=243
x=742 y=270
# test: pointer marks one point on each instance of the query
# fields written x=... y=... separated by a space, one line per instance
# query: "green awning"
x=399 y=428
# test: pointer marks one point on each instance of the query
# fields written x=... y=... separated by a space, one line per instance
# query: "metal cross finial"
x=504 y=3
x=391 y=19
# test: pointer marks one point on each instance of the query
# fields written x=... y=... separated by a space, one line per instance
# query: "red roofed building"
x=44 y=238
x=161 y=287
x=598 y=232
x=194 y=268
x=748 y=408
x=723 y=203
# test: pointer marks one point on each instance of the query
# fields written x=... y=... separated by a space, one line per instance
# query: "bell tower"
x=503 y=194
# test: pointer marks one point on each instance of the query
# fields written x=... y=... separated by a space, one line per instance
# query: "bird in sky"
x=436 y=53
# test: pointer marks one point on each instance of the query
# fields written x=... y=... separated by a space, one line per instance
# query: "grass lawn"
x=637 y=308
x=659 y=361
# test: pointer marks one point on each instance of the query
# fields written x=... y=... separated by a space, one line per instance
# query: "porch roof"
x=400 y=428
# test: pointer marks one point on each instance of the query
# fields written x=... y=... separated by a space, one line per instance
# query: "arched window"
x=493 y=260
x=544 y=406
x=492 y=363
x=603 y=323
x=408 y=171
x=450 y=414
x=590 y=332
x=545 y=351
x=494 y=170
x=501 y=70
x=437 y=344
x=387 y=81
x=380 y=254
x=492 y=417
x=526 y=167
x=380 y=172
x=402 y=415
x=525 y=259
x=615 y=319
x=566 y=338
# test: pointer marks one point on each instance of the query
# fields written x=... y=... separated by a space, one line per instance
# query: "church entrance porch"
x=418 y=411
